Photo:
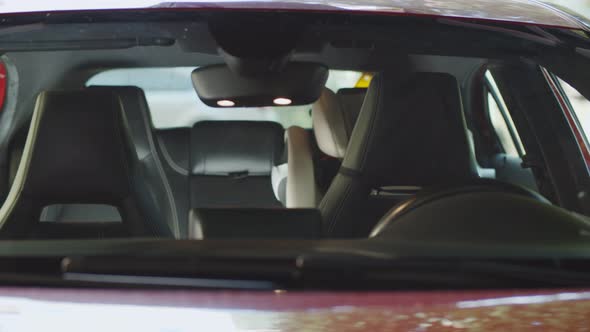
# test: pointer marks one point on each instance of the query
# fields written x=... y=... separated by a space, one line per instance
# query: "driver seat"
x=410 y=132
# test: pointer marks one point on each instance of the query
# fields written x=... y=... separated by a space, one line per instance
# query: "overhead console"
x=255 y=45
x=257 y=70
x=296 y=84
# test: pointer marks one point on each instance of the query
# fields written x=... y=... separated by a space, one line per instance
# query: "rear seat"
x=231 y=164
x=179 y=151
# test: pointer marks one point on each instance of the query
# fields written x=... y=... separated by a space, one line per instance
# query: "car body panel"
x=184 y=310
x=515 y=11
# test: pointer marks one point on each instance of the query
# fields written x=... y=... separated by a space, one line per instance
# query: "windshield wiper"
x=449 y=273
x=159 y=281
x=325 y=271
x=233 y=273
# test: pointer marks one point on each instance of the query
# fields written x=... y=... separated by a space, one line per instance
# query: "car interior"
x=299 y=128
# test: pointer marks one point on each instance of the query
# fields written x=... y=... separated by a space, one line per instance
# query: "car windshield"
x=359 y=145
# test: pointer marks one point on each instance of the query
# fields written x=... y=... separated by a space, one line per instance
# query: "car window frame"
x=551 y=148
x=570 y=111
x=570 y=116
x=490 y=88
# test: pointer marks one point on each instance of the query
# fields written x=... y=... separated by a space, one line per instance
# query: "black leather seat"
x=167 y=190
x=410 y=132
x=79 y=152
x=231 y=164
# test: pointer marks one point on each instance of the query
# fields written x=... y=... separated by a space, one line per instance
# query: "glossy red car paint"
x=515 y=11
x=178 y=310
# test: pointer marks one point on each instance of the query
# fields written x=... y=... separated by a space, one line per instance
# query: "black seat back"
x=78 y=152
x=231 y=163
x=166 y=197
x=410 y=132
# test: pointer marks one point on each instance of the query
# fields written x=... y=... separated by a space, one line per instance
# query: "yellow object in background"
x=364 y=80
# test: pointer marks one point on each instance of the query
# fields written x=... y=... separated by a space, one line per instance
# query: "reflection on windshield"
x=401 y=312
x=33 y=315
x=508 y=10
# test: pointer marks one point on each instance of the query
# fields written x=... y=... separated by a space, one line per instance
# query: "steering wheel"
x=439 y=192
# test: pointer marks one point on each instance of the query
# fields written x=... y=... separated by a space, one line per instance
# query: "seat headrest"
x=334 y=116
x=81 y=152
x=411 y=131
x=235 y=147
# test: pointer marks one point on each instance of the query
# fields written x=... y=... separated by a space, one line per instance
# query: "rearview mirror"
x=298 y=83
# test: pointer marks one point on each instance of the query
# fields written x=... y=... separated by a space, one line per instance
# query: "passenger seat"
x=167 y=196
x=78 y=151
x=167 y=200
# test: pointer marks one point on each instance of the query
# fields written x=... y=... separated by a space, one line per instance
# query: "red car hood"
x=517 y=11
x=137 y=310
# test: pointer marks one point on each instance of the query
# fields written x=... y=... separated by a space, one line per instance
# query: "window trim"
x=570 y=116
x=511 y=133
x=491 y=88
x=571 y=109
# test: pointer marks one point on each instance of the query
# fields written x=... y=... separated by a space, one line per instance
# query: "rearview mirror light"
x=282 y=101
x=225 y=103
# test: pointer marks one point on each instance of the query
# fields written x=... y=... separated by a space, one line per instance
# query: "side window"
x=581 y=107
x=501 y=120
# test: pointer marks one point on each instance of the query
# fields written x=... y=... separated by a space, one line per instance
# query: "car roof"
x=514 y=11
